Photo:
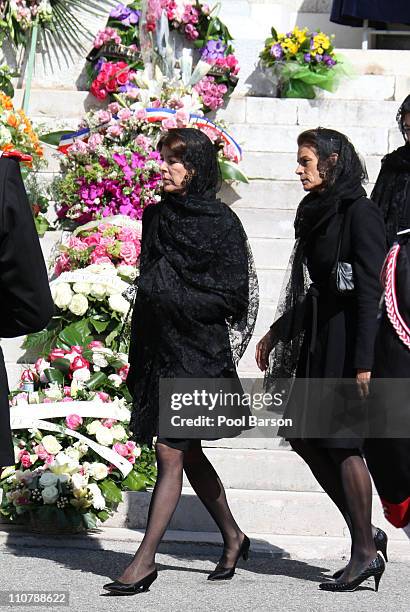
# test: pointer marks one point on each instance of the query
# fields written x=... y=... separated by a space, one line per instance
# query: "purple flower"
x=213 y=50
x=129 y=17
x=308 y=58
x=329 y=61
x=319 y=58
x=276 y=51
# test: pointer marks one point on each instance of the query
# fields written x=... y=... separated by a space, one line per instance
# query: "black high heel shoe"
x=226 y=573
x=121 y=588
x=376 y=569
x=380 y=539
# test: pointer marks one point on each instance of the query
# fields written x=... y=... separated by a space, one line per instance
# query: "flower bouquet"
x=89 y=306
x=301 y=60
x=16 y=131
x=68 y=479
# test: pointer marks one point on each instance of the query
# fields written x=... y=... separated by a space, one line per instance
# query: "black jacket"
x=26 y=305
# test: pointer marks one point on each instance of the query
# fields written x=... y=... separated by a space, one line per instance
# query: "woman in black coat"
x=353 y=12
x=324 y=334
x=193 y=317
x=391 y=192
x=26 y=303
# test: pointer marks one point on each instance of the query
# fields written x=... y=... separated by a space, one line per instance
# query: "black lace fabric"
x=197 y=297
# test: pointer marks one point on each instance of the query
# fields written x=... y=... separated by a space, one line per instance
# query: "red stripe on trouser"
x=397 y=514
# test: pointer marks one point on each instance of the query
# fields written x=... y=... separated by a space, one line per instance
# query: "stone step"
x=198 y=543
x=58 y=103
x=273 y=512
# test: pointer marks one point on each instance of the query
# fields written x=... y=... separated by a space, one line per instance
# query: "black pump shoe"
x=375 y=570
x=226 y=573
x=120 y=588
x=380 y=539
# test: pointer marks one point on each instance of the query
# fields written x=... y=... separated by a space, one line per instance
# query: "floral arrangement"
x=16 y=131
x=74 y=476
x=115 y=172
x=103 y=242
x=89 y=306
x=19 y=16
x=194 y=21
x=303 y=60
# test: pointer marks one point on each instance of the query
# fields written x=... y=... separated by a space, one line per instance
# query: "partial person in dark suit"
x=322 y=333
x=353 y=12
x=26 y=304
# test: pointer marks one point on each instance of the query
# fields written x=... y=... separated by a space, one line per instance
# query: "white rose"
x=128 y=272
x=104 y=436
x=73 y=453
x=118 y=303
x=51 y=444
x=79 y=481
x=78 y=305
x=98 y=471
x=63 y=464
x=62 y=295
x=82 y=375
x=50 y=495
x=123 y=357
x=93 y=427
x=115 y=379
x=48 y=479
x=98 y=500
x=53 y=392
x=98 y=291
x=81 y=447
x=99 y=360
x=83 y=288
x=119 y=432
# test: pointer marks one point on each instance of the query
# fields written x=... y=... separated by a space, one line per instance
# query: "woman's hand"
x=363 y=381
x=263 y=349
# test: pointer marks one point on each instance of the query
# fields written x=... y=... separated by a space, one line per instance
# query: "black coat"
x=340 y=331
x=26 y=303
x=353 y=12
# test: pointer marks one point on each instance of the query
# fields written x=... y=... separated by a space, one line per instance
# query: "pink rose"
x=25 y=459
x=108 y=422
x=104 y=397
x=93 y=240
x=169 y=124
x=123 y=372
x=141 y=114
x=73 y=421
x=114 y=107
x=121 y=449
x=63 y=264
x=128 y=253
x=115 y=131
x=131 y=446
x=124 y=114
x=78 y=363
x=95 y=344
x=129 y=234
x=131 y=458
x=77 y=244
x=56 y=353
x=182 y=118
x=41 y=452
x=104 y=116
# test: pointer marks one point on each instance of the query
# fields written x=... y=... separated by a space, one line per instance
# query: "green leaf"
x=90 y=520
x=103 y=515
x=76 y=333
x=37 y=339
x=274 y=33
x=53 y=138
x=111 y=492
x=98 y=379
x=231 y=172
x=42 y=225
x=53 y=375
x=135 y=481
x=99 y=326
x=62 y=364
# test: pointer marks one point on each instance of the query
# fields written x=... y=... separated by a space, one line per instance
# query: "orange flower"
x=13 y=121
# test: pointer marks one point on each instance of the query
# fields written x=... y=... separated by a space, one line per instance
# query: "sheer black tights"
x=343 y=475
x=205 y=481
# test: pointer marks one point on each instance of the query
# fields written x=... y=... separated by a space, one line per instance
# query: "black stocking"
x=210 y=490
x=326 y=472
x=358 y=495
x=164 y=500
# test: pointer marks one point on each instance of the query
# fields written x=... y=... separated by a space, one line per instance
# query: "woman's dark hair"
x=403 y=110
x=328 y=143
x=199 y=156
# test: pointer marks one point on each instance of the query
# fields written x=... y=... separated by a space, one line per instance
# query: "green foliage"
x=110 y=491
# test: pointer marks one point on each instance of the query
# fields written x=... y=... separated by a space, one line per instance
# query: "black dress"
x=353 y=12
x=340 y=331
x=26 y=303
x=194 y=278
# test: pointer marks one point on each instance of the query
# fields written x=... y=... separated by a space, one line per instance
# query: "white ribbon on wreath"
x=20 y=420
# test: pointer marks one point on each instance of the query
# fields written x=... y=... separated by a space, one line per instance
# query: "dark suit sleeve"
x=26 y=302
x=369 y=251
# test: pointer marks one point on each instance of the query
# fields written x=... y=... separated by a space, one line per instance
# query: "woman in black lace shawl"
x=194 y=314
x=320 y=334
x=392 y=190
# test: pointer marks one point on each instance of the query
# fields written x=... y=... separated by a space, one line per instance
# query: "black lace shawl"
x=344 y=184
x=196 y=303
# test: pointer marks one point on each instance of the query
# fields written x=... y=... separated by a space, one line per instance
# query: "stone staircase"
x=272 y=493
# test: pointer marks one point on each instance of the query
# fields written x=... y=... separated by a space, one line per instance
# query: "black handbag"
x=341 y=276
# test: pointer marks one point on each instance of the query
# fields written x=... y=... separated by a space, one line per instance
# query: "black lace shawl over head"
x=392 y=190
x=198 y=261
x=343 y=182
